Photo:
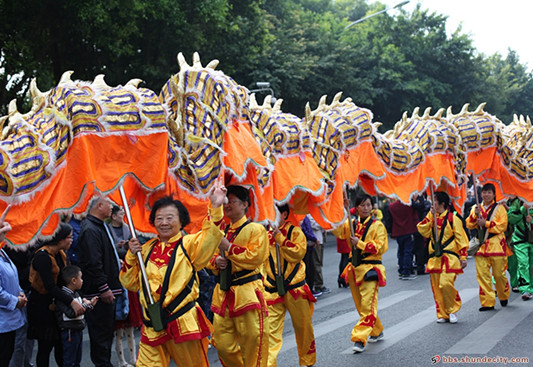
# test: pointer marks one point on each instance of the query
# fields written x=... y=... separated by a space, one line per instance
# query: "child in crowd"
x=71 y=325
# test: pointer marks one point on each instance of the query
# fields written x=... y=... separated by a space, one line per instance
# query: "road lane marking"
x=492 y=331
x=414 y=323
x=349 y=318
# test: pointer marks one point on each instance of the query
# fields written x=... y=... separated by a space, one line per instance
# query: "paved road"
x=412 y=336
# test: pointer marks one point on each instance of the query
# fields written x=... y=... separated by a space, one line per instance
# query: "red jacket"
x=404 y=219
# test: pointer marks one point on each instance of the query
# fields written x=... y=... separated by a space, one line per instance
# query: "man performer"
x=289 y=244
x=239 y=308
x=491 y=221
x=447 y=256
x=100 y=265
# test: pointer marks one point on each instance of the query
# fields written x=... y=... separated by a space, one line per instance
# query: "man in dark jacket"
x=100 y=265
x=404 y=220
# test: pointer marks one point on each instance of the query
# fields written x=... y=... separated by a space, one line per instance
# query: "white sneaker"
x=358 y=347
x=441 y=321
x=453 y=318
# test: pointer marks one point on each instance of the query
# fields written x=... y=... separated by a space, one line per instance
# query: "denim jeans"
x=406 y=244
x=72 y=347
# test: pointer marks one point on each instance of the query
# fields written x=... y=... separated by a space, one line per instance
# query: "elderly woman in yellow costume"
x=447 y=257
x=365 y=272
x=171 y=261
x=286 y=290
x=491 y=221
x=239 y=307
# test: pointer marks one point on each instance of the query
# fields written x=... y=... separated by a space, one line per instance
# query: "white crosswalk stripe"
x=483 y=339
x=348 y=318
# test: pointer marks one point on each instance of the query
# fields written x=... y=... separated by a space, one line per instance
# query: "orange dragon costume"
x=298 y=298
x=185 y=337
x=492 y=254
x=240 y=314
x=443 y=269
x=373 y=243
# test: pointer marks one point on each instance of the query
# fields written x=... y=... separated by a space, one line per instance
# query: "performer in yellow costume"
x=491 y=222
x=239 y=307
x=171 y=262
x=294 y=294
x=365 y=272
x=447 y=258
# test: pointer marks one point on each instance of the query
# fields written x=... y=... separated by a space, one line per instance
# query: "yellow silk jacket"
x=375 y=244
x=292 y=251
x=249 y=250
x=200 y=248
x=496 y=245
x=451 y=263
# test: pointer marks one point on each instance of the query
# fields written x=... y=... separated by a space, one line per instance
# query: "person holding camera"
x=365 y=272
x=447 y=256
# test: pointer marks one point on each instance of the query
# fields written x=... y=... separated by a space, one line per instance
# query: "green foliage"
x=390 y=63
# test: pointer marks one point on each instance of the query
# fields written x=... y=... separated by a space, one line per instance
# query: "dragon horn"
x=449 y=112
x=181 y=62
x=322 y=101
x=439 y=113
x=426 y=114
x=266 y=102
x=134 y=82
x=337 y=98
x=464 y=110
x=196 y=60
x=99 y=81
x=212 y=64
x=307 y=112
x=277 y=105
x=65 y=78
x=479 y=109
x=36 y=95
x=12 y=108
x=415 y=112
x=253 y=102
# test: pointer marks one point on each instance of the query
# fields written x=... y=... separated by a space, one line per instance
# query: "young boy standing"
x=71 y=325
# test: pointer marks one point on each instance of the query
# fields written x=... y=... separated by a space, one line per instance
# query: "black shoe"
x=485 y=308
x=504 y=302
x=421 y=272
x=342 y=283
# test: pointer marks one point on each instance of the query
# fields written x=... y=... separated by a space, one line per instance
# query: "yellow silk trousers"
x=191 y=353
x=487 y=297
x=301 y=311
x=242 y=341
x=365 y=297
x=447 y=298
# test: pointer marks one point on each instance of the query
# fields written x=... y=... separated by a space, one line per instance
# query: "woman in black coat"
x=45 y=288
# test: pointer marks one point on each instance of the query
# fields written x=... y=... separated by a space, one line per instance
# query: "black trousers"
x=309 y=267
x=101 y=326
x=421 y=253
x=7 y=343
